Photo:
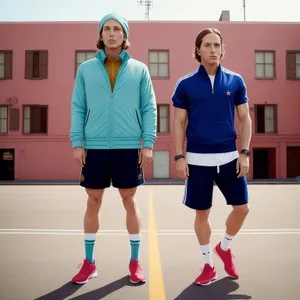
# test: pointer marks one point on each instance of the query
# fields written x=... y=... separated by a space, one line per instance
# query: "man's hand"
x=79 y=155
x=182 y=168
x=145 y=157
x=242 y=165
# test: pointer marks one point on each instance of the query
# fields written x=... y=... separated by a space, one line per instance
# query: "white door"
x=161 y=164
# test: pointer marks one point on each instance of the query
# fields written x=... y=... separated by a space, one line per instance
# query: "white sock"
x=206 y=251
x=89 y=236
x=226 y=241
x=135 y=237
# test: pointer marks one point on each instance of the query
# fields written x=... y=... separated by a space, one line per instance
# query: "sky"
x=162 y=10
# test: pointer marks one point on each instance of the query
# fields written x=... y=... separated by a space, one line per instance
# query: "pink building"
x=37 y=69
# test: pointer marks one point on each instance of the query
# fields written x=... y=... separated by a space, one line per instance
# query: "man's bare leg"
x=133 y=224
x=203 y=232
x=91 y=226
x=133 y=220
x=234 y=223
x=91 y=221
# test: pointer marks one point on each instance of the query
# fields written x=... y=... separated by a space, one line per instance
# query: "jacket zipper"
x=112 y=72
x=111 y=96
x=212 y=86
x=121 y=69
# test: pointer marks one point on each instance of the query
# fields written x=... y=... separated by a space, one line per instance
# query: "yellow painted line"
x=156 y=283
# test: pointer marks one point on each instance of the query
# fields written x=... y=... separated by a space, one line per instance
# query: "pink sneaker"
x=208 y=275
x=226 y=257
x=136 y=272
x=86 y=272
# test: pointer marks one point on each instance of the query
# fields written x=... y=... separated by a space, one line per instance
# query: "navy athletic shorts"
x=119 y=167
x=199 y=187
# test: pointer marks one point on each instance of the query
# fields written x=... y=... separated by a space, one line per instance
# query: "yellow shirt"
x=112 y=69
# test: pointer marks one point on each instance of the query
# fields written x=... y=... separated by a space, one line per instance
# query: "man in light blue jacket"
x=113 y=130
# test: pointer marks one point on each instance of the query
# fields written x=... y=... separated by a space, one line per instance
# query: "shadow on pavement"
x=70 y=288
x=107 y=289
x=219 y=290
x=61 y=293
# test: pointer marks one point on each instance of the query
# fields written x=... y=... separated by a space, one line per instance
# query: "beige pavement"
x=41 y=244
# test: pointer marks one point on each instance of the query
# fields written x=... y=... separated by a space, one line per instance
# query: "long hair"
x=199 y=40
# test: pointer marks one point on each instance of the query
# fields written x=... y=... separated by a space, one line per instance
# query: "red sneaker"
x=226 y=257
x=208 y=275
x=86 y=272
x=136 y=272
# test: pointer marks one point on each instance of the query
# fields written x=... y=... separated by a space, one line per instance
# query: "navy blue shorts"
x=119 y=167
x=199 y=187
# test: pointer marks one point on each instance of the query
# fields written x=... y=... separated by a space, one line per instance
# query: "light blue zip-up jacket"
x=102 y=118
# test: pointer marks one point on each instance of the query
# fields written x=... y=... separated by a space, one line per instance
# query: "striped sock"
x=135 y=240
x=89 y=242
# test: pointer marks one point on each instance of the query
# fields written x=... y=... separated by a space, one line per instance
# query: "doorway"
x=7 y=164
x=264 y=163
x=293 y=162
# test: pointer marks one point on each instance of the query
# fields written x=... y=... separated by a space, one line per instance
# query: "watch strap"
x=176 y=157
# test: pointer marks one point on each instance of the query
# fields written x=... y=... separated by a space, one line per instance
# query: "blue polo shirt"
x=210 y=109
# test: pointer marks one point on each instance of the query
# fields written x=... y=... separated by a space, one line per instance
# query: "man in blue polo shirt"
x=205 y=102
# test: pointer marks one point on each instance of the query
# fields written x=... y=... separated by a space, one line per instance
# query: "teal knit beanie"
x=118 y=18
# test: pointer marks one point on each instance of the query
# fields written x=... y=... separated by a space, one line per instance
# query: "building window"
x=82 y=55
x=35 y=119
x=297 y=65
x=293 y=64
x=161 y=164
x=159 y=63
x=36 y=64
x=5 y=65
x=265 y=64
x=163 y=118
x=266 y=118
x=3 y=119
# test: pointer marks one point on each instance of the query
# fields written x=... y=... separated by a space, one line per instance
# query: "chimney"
x=225 y=16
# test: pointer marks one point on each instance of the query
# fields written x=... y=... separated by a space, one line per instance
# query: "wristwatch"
x=246 y=152
x=176 y=157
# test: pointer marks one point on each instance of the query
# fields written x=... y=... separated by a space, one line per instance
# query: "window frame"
x=168 y=119
x=23 y=119
x=29 y=60
x=288 y=53
x=7 y=119
x=264 y=64
x=275 y=119
x=149 y=62
x=10 y=53
x=75 y=58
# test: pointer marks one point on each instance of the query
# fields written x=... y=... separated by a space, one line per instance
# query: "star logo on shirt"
x=228 y=93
